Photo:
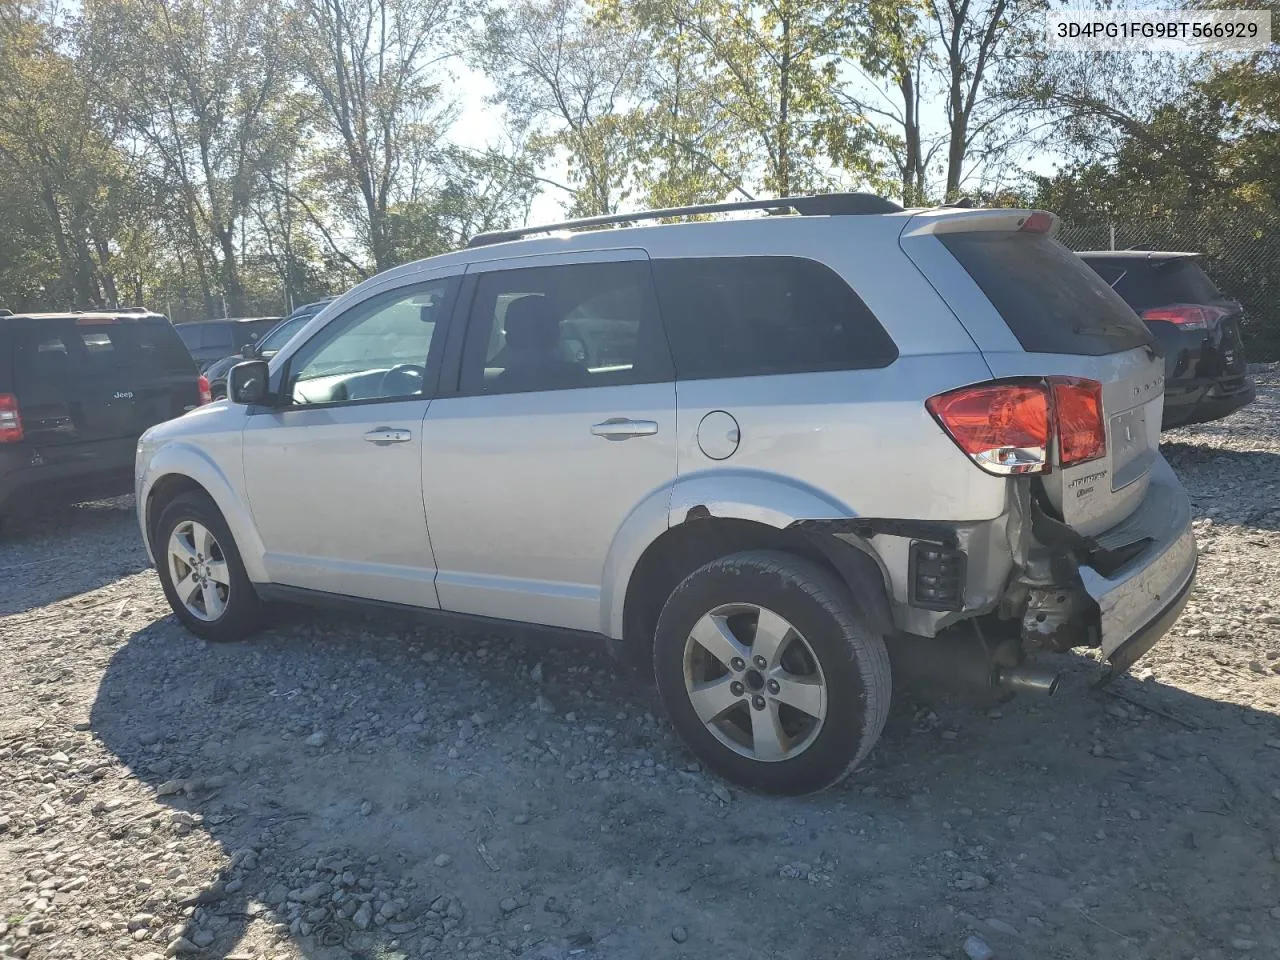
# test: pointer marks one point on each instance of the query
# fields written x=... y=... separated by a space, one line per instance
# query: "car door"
x=333 y=472
x=531 y=468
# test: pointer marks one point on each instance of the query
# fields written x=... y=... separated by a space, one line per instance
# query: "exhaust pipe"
x=960 y=662
x=1028 y=680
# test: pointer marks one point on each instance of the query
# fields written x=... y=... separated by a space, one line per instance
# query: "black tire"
x=244 y=611
x=852 y=659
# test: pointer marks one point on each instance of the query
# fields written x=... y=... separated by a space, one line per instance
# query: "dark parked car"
x=1197 y=328
x=210 y=340
x=264 y=349
x=76 y=391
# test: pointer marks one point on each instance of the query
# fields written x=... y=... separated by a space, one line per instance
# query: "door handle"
x=385 y=435
x=620 y=428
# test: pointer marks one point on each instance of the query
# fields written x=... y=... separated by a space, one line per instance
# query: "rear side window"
x=562 y=328
x=1162 y=282
x=189 y=334
x=753 y=316
x=206 y=336
x=217 y=336
x=1052 y=300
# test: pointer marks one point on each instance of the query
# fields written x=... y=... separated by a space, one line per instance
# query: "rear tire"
x=770 y=674
x=201 y=572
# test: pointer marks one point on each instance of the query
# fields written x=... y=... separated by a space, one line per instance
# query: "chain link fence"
x=1241 y=254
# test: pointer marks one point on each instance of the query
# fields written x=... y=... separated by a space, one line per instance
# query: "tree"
x=68 y=178
x=768 y=72
x=557 y=66
x=964 y=53
x=374 y=67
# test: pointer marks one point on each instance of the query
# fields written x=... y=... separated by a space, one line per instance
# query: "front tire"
x=201 y=572
x=770 y=674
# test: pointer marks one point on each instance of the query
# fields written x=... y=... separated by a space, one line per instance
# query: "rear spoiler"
x=959 y=220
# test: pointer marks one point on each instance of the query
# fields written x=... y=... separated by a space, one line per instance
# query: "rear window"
x=752 y=316
x=158 y=345
x=1159 y=283
x=1050 y=298
x=56 y=351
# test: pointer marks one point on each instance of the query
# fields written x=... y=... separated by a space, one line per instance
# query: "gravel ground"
x=371 y=788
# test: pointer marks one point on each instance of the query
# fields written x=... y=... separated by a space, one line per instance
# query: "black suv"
x=210 y=340
x=76 y=391
x=1195 y=325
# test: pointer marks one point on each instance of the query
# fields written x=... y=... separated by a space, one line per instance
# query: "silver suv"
x=764 y=452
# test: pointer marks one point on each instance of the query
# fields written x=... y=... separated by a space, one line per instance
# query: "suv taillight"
x=206 y=393
x=10 y=419
x=1077 y=416
x=1008 y=428
x=1187 y=316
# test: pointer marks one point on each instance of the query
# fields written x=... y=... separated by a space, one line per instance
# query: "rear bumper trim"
x=1129 y=652
x=1207 y=406
x=1136 y=596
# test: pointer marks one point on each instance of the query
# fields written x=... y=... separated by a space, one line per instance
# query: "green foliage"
x=245 y=154
x=1199 y=174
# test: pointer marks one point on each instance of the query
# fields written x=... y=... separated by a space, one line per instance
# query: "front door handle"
x=385 y=435
x=620 y=428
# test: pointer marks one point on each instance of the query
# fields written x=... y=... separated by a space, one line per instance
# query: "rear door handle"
x=620 y=428
x=385 y=435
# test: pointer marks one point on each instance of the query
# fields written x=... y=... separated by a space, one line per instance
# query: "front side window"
x=376 y=351
x=560 y=328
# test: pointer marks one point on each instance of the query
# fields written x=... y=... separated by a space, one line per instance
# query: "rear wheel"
x=770 y=674
x=201 y=572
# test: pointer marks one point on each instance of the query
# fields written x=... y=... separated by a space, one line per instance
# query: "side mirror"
x=248 y=351
x=247 y=382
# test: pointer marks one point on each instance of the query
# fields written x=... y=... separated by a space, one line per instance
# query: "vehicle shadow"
x=60 y=552
x=377 y=788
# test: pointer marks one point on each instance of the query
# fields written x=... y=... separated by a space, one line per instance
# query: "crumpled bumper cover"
x=1139 y=603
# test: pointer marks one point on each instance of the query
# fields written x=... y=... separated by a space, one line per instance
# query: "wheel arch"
x=178 y=469
x=752 y=513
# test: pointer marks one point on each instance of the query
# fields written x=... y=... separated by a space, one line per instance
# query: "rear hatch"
x=1173 y=288
x=100 y=377
x=1037 y=310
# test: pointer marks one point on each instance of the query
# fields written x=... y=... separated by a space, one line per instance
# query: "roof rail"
x=821 y=205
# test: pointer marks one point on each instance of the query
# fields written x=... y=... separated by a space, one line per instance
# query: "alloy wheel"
x=755 y=682
x=198 y=570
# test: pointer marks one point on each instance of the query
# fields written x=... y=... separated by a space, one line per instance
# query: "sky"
x=479 y=123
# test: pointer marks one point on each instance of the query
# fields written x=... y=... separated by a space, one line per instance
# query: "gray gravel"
x=373 y=788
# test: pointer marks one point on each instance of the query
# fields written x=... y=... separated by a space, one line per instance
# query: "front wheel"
x=201 y=572
x=770 y=674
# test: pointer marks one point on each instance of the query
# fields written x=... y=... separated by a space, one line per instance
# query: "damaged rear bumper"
x=1138 y=603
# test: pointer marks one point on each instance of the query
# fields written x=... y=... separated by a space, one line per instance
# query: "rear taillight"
x=1004 y=428
x=10 y=419
x=1188 y=316
x=1009 y=428
x=1077 y=414
x=206 y=393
